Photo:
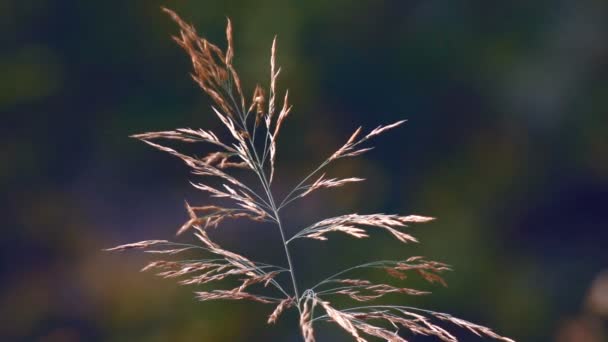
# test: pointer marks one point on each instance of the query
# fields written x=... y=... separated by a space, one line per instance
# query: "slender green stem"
x=287 y=199
x=369 y=264
x=267 y=137
x=387 y=307
x=292 y=273
x=266 y=185
x=333 y=290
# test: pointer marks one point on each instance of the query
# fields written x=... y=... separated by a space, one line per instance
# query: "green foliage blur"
x=506 y=144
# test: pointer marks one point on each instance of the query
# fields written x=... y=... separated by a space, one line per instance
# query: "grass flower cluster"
x=253 y=127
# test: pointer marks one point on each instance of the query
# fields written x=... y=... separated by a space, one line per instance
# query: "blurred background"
x=506 y=144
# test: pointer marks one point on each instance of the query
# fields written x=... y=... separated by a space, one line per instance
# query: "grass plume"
x=261 y=118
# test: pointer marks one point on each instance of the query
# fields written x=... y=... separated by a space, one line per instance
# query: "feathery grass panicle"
x=308 y=305
x=284 y=304
x=215 y=74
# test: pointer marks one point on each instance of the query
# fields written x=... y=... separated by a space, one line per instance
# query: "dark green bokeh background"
x=506 y=144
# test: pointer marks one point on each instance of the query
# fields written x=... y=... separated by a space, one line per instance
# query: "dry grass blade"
x=364 y=293
x=274 y=73
x=257 y=104
x=343 y=320
x=352 y=225
x=230 y=50
x=474 y=328
x=380 y=333
x=350 y=148
x=273 y=138
x=243 y=199
x=213 y=216
x=284 y=304
x=232 y=295
x=137 y=245
x=264 y=278
x=323 y=182
x=355 y=282
x=308 y=332
x=183 y=135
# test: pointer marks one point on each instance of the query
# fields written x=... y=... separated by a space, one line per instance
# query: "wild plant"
x=253 y=128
